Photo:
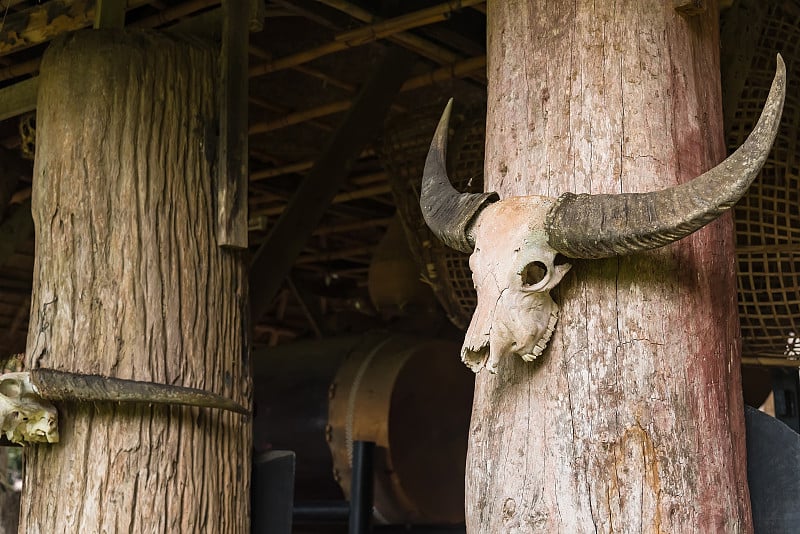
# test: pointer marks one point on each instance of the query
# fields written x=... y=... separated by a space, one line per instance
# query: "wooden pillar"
x=632 y=421
x=129 y=282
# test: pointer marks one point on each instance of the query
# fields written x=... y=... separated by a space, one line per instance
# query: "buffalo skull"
x=514 y=241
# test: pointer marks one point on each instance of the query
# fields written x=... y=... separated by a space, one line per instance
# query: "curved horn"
x=65 y=386
x=601 y=226
x=447 y=212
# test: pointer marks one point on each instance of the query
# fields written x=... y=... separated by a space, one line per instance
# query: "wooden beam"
x=279 y=171
x=20 y=69
x=233 y=159
x=353 y=226
x=18 y=98
x=339 y=198
x=341 y=254
x=395 y=25
x=770 y=362
x=42 y=23
x=407 y=40
x=13 y=168
x=300 y=116
x=16 y=229
x=309 y=304
x=275 y=257
x=449 y=72
x=364 y=35
x=177 y=12
x=109 y=14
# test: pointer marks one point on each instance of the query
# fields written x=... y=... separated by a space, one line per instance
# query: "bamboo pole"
x=366 y=179
x=353 y=226
x=296 y=59
x=278 y=171
x=449 y=72
x=418 y=45
x=174 y=13
x=300 y=116
x=410 y=41
x=770 y=362
x=300 y=166
x=347 y=253
x=364 y=35
x=260 y=102
x=405 y=22
x=456 y=70
x=347 y=196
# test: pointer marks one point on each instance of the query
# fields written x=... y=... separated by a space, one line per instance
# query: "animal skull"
x=514 y=241
x=24 y=415
x=515 y=313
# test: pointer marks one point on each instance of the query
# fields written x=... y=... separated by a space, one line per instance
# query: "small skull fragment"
x=24 y=415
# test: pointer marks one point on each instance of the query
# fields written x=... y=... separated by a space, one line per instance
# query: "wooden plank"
x=275 y=257
x=109 y=14
x=18 y=98
x=16 y=229
x=13 y=168
x=309 y=304
x=233 y=148
x=41 y=23
x=364 y=35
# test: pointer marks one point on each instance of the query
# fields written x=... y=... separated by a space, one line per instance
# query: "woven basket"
x=767 y=220
x=405 y=146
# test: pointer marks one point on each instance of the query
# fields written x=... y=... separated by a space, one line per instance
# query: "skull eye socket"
x=10 y=388
x=533 y=275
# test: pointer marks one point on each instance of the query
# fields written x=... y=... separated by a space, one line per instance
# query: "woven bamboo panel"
x=767 y=218
x=405 y=146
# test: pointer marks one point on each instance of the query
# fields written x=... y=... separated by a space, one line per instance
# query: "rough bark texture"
x=129 y=282
x=633 y=420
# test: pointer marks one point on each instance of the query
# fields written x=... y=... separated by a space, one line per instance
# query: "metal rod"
x=321 y=512
x=361 y=488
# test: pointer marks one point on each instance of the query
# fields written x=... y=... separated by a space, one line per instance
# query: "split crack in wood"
x=28 y=416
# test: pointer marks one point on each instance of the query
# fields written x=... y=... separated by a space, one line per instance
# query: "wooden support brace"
x=18 y=227
x=13 y=168
x=18 y=98
x=288 y=237
x=232 y=178
x=109 y=14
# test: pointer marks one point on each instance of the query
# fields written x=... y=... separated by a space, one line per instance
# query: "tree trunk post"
x=129 y=282
x=633 y=420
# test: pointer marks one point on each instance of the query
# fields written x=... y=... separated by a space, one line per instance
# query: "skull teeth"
x=542 y=343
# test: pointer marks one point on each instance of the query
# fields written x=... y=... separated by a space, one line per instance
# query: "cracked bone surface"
x=515 y=313
x=24 y=415
x=514 y=241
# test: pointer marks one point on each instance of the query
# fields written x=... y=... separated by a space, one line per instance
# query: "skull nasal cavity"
x=533 y=273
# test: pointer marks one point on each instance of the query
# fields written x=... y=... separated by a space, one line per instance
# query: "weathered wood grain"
x=232 y=179
x=632 y=421
x=129 y=282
